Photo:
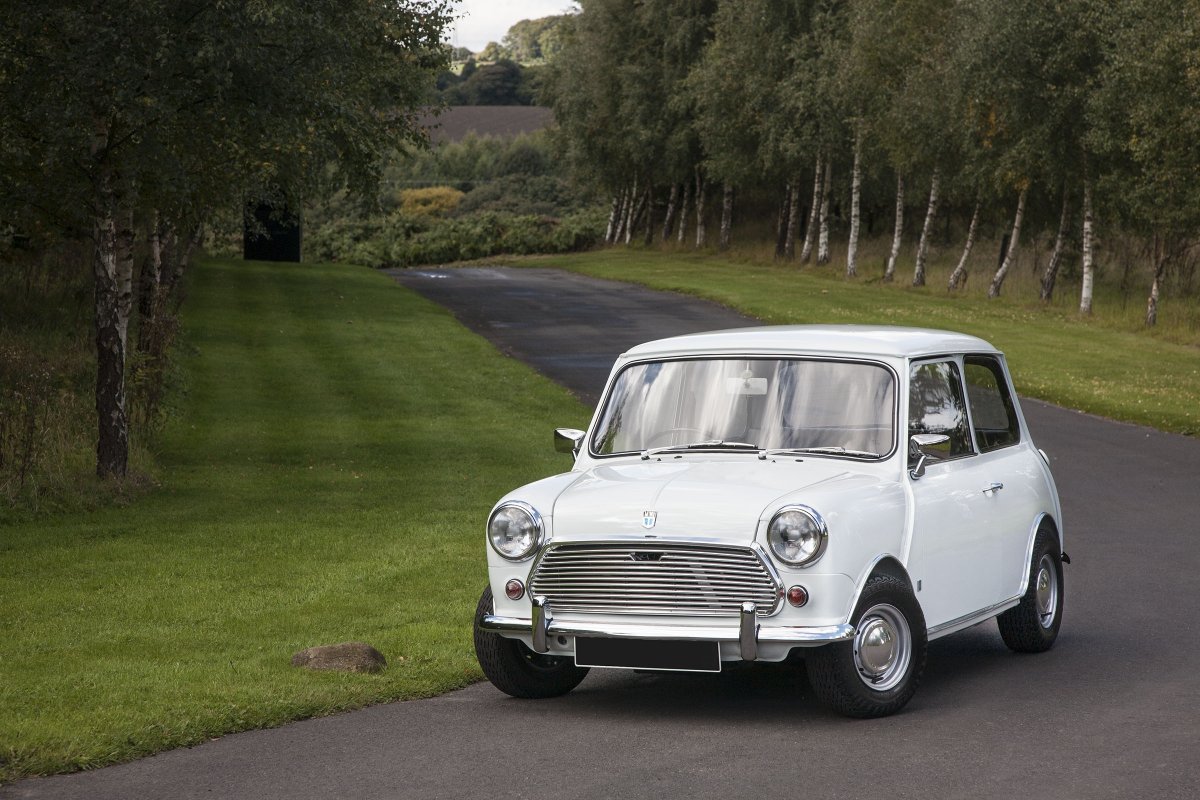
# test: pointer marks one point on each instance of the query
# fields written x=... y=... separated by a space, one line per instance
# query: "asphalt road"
x=1110 y=712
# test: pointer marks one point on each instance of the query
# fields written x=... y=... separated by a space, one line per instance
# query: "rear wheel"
x=1032 y=626
x=878 y=672
x=515 y=669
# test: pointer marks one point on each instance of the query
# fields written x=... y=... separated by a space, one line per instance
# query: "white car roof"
x=850 y=340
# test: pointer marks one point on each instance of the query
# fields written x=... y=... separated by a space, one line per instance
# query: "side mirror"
x=568 y=440
x=920 y=449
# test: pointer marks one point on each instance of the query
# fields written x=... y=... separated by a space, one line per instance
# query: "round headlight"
x=515 y=530
x=797 y=535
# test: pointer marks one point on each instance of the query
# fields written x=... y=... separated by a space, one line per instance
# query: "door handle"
x=992 y=488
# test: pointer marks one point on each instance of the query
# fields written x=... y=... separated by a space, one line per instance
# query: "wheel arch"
x=884 y=564
x=1042 y=522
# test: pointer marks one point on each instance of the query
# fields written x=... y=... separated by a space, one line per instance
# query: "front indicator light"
x=797 y=596
x=514 y=589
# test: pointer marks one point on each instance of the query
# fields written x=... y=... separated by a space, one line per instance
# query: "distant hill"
x=506 y=121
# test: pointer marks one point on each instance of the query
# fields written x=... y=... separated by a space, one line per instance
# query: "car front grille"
x=658 y=578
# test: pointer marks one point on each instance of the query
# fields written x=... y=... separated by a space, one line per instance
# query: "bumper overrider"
x=747 y=634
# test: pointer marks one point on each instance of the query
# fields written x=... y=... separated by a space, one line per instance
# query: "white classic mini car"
x=853 y=491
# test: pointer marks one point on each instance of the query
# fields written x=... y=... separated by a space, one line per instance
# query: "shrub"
x=434 y=201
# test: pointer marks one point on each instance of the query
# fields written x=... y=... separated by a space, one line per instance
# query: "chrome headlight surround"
x=797 y=535
x=522 y=543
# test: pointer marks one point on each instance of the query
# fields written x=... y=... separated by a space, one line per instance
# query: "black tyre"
x=1032 y=625
x=877 y=673
x=515 y=669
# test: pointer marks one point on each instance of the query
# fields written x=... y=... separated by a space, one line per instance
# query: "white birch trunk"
x=669 y=219
x=701 y=191
x=1010 y=255
x=781 y=220
x=930 y=214
x=1050 y=276
x=683 y=212
x=823 y=237
x=959 y=275
x=629 y=215
x=889 y=272
x=611 y=231
x=1088 y=256
x=793 y=222
x=648 y=238
x=810 y=230
x=151 y=273
x=726 y=216
x=855 y=205
x=1160 y=268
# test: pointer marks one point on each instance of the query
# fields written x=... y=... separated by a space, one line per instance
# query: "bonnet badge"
x=649 y=518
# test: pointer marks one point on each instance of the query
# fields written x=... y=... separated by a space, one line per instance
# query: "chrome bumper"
x=748 y=633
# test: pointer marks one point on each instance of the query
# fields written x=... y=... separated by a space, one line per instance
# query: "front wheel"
x=1032 y=625
x=877 y=673
x=515 y=669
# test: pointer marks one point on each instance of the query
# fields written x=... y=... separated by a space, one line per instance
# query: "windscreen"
x=767 y=403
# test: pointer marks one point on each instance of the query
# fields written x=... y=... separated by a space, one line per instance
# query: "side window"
x=935 y=405
x=992 y=409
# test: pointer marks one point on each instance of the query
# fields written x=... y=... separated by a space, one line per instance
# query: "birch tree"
x=116 y=108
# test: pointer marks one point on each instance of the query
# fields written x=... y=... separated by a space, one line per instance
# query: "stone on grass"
x=344 y=657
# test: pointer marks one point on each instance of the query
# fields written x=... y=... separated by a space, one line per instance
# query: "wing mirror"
x=921 y=449
x=568 y=440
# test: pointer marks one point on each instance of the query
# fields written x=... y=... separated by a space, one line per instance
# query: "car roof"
x=850 y=340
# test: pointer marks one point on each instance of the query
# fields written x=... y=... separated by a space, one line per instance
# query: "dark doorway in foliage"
x=270 y=234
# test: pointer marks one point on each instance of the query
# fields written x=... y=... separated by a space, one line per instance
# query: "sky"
x=483 y=21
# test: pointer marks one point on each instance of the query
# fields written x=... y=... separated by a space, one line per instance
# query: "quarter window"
x=992 y=411
x=935 y=405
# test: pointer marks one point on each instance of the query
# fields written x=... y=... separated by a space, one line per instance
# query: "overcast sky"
x=483 y=21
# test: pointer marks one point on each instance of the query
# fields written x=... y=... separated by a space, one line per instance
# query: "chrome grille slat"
x=678 y=579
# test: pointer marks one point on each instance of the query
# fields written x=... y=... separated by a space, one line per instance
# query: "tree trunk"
x=1088 y=254
x=648 y=239
x=795 y=209
x=630 y=209
x=855 y=206
x=1051 y=273
x=613 y=215
x=701 y=191
x=889 y=272
x=810 y=230
x=151 y=274
x=823 y=237
x=622 y=212
x=959 y=275
x=179 y=263
x=930 y=214
x=781 y=222
x=112 y=447
x=684 y=208
x=726 y=216
x=1011 y=254
x=1160 y=267
x=669 y=219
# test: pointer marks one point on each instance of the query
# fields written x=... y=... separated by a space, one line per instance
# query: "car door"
x=1006 y=460
x=954 y=553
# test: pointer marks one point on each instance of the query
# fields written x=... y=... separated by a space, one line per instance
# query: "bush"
x=435 y=201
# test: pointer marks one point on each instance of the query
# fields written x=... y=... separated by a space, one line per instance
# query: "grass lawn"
x=1089 y=364
x=327 y=471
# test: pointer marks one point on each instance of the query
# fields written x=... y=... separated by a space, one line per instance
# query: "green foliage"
x=434 y=201
x=531 y=40
x=299 y=506
x=502 y=83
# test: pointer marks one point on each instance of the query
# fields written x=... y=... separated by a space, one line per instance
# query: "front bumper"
x=748 y=633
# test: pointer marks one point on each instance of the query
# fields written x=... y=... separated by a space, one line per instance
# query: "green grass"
x=326 y=475
x=1090 y=364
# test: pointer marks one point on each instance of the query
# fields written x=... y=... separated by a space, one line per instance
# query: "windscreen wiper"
x=711 y=444
x=834 y=450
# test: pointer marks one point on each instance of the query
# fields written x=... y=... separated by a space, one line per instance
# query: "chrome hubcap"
x=1047 y=591
x=882 y=647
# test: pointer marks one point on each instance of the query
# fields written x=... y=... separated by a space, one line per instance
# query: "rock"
x=344 y=657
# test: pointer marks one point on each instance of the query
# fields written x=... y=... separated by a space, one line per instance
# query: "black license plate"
x=673 y=656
